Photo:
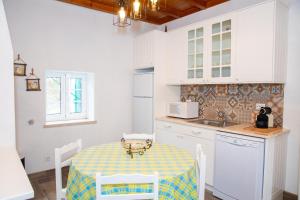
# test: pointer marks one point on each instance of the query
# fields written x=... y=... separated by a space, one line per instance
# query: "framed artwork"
x=32 y=82
x=19 y=67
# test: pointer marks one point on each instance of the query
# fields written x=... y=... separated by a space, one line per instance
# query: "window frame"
x=65 y=114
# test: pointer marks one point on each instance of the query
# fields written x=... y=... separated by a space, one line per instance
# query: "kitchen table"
x=176 y=168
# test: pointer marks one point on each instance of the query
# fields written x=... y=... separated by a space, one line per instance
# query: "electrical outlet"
x=47 y=159
x=260 y=105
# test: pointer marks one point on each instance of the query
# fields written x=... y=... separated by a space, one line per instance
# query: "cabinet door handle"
x=237 y=144
x=168 y=126
x=179 y=136
x=197 y=132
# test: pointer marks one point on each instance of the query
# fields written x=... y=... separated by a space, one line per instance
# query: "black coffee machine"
x=262 y=120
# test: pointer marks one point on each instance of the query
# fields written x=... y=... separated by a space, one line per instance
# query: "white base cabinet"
x=187 y=137
x=275 y=167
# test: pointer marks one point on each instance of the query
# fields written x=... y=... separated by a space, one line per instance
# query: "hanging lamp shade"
x=127 y=10
x=137 y=10
x=154 y=5
x=121 y=18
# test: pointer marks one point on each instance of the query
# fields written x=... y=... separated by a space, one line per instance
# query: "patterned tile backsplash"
x=236 y=103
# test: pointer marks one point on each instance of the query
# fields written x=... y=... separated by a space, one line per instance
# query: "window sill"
x=69 y=123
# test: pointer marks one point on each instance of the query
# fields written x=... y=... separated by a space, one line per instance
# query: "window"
x=67 y=96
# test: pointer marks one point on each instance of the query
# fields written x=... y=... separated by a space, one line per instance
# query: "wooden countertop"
x=241 y=129
x=249 y=130
x=14 y=181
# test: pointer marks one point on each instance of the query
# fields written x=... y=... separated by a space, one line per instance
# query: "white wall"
x=292 y=99
x=53 y=35
x=7 y=110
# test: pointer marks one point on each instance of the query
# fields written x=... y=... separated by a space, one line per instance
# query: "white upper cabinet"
x=195 y=54
x=245 y=46
x=143 y=51
x=177 y=56
x=148 y=49
x=186 y=55
x=202 y=52
x=261 y=46
x=221 y=50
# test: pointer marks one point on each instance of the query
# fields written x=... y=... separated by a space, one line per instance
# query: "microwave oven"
x=185 y=110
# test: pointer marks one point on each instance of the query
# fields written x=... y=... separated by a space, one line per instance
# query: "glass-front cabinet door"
x=195 y=69
x=221 y=50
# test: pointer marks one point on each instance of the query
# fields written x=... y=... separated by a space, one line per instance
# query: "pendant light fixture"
x=121 y=19
x=132 y=9
x=153 y=4
x=136 y=10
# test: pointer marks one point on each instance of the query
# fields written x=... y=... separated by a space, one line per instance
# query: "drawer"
x=200 y=132
x=187 y=130
x=166 y=126
x=172 y=127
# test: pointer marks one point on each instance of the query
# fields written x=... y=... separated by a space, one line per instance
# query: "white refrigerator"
x=143 y=103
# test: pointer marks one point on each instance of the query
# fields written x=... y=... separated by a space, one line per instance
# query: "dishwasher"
x=239 y=163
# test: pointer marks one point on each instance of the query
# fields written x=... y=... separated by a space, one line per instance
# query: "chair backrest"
x=201 y=171
x=139 y=136
x=126 y=179
x=63 y=157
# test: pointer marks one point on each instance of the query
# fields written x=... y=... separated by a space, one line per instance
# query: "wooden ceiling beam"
x=165 y=19
x=212 y=3
x=170 y=12
x=92 y=5
x=150 y=20
x=165 y=14
x=198 y=3
x=96 y=5
x=191 y=10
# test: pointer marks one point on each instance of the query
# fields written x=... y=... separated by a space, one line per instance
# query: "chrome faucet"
x=225 y=118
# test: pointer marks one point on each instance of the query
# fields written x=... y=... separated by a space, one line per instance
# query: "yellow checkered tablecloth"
x=176 y=168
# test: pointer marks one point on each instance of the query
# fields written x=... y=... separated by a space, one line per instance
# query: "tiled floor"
x=44 y=185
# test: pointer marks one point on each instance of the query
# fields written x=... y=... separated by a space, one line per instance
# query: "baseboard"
x=289 y=196
x=46 y=174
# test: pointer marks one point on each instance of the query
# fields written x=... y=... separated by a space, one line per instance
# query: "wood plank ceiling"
x=169 y=9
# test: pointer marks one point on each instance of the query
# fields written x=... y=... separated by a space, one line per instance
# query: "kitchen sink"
x=213 y=122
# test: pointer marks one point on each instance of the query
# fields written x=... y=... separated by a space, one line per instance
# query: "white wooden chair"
x=139 y=136
x=63 y=157
x=201 y=171
x=127 y=179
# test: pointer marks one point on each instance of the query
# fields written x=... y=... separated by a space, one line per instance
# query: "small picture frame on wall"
x=19 y=67
x=32 y=82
